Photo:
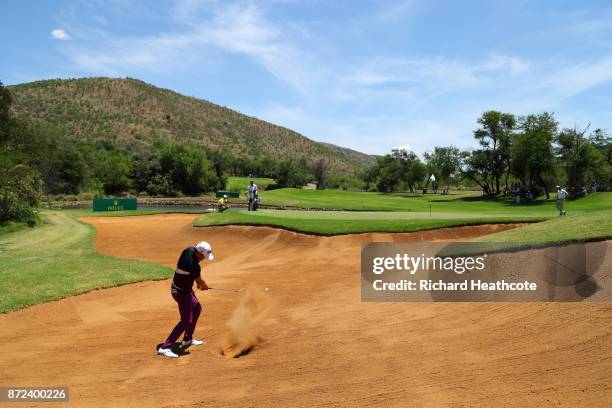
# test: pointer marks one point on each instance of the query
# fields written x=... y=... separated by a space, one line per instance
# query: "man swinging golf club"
x=187 y=271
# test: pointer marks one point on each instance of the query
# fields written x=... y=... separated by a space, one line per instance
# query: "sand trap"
x=320 y=345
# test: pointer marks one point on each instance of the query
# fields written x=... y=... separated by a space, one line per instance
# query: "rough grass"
x=56 y=259
x=11 y=226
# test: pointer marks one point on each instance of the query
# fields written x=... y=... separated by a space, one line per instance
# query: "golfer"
x=187 y=271
x=560 y=204
x=252 y=193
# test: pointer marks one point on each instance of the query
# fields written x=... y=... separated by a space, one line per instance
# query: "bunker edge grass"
x=57 y=259
x=334 y=223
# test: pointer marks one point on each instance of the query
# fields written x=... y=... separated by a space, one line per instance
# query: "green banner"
x=114 y=204
x=230 y=194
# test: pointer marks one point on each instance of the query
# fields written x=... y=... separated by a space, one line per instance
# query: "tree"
x=288 y=174
x=577 y=155
x=6 y=100
x=401 y=169
x=19 y=191
x=19 y=182
x=532 y=153
x=319 y=170
x=188 y=169
x=490 y=163
x=63 y=169
x=602 y=168
x=388 y=173
x=602 y=142
x=445 y=163
x=116 y=170
x=478 y=169
x=144 y=167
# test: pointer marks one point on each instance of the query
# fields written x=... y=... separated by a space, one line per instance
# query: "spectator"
x=252 y=193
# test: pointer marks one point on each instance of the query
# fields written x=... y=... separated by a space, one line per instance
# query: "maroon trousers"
x=189 y=309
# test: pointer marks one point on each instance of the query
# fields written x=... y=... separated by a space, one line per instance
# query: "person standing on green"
x=252 y=193
x=560 y=204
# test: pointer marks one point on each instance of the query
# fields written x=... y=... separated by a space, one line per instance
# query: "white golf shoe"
x=167 y=352
x=194 y=342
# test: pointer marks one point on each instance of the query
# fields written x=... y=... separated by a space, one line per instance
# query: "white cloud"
x=205 y=28
x=434 y=72
x=513 y=64
x=393 y=10
x=548 y=88
x=60 y=34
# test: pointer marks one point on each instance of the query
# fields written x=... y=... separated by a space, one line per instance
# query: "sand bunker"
x=324 y=348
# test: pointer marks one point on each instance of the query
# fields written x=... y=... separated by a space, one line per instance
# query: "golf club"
x=227 y=289
x=235 y=290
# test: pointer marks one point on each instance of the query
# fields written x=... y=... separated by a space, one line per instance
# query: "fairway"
x=462 y=202
x=241 y=183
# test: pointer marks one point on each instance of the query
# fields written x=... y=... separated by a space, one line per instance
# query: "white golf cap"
x=204 y=248
x=224 y=195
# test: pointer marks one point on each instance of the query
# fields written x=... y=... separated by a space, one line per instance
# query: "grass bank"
x=57 y=259
x=594 y=226
x=347 y=222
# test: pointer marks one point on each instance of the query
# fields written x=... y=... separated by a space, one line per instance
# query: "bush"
x=19 y=193
x=87 y=196
x=345 y=183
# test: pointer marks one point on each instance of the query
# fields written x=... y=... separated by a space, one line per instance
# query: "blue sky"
x=370 y=75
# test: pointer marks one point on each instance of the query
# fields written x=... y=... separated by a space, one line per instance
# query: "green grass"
x=11 y=226
x=347 y=222
x=452 y=210
x=471 y=202
x=56 y=259
x=593 y=226
x=241 y=183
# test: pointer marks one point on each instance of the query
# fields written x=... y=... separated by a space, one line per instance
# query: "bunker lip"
x=323 y=234
x=323 y=345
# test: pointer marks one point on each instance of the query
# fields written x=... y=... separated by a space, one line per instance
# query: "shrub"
x=19 y=193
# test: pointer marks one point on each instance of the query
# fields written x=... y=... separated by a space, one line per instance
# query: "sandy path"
x=324 y=347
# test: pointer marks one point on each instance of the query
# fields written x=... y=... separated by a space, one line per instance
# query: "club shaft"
x=225 y=289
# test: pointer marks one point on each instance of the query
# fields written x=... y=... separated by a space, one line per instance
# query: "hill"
x=362 y=158
x=129 y=111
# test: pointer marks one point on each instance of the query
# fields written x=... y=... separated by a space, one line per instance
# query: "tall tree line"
x=529 y=150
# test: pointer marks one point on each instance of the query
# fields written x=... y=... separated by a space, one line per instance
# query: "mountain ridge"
x=127 y=110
